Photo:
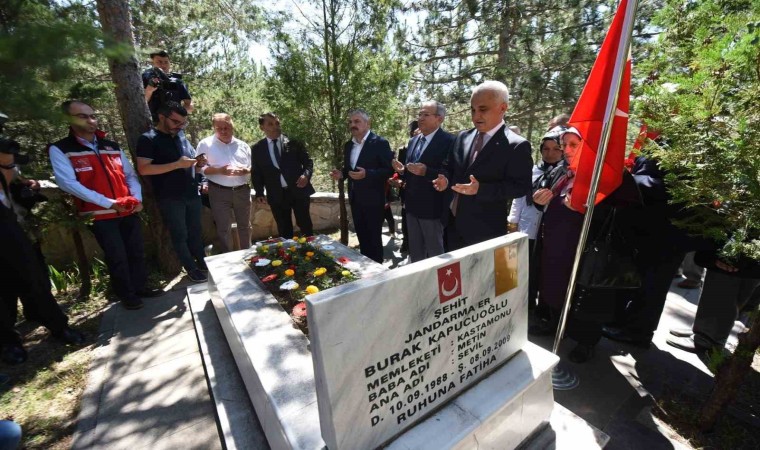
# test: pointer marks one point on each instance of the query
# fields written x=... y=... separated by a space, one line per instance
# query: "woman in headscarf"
x=561 y=229
x=525 y=215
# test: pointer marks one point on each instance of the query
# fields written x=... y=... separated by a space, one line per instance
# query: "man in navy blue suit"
x=367 y=166
x=488 y=166
x=426 y=155
x=283 y=169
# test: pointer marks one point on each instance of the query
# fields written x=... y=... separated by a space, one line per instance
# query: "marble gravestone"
x=391 y=350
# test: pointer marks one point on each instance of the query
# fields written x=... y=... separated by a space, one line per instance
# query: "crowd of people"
x=456 y=191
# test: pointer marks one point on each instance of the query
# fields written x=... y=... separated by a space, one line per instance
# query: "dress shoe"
x=13 y=353
x=197 y=276
x=70 y=336
x=687 y=344
x=150 y=293
x=581 y=353
x=689 y=284
x=132 y=303
x=681 y=332
x=626 y=337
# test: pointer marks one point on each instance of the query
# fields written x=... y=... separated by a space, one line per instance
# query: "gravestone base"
x=275 y=364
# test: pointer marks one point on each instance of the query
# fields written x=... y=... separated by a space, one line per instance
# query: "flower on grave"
x=320 y=271
x=343 y=260
x=300 y=309
x=261 y=262
x=309 y=254
x=255 y=259
x=270 y=277
x=287 y=258
x=265 y=248
x=346 y=273
x=290 y=272
x=279 y=244
x=289 y=285
x=310 y=238
x=311 y=289
x=276 y=263
x=292 y=267
x=302 y=241
x=307 y=259
x=295 y=238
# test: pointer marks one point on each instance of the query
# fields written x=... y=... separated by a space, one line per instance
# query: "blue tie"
x=418 y=149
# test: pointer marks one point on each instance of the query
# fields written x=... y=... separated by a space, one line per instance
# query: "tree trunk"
x=730 y=376
x=116 y=20
x=85 y=272
x=343 y=213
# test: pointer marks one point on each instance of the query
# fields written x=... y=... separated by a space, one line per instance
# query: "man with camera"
x=162 y=85
x=105 y=186
x=167 y=158
x=22 y=271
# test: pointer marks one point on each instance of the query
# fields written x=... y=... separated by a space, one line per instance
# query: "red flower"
x=395 y=176
x=255 y=259
x=287 y=258
x=292 y=267
x=269 y=278
x=344 y=260
x=299 y=310
x=310 y=238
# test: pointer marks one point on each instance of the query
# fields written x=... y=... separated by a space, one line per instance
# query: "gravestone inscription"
x=390 y=350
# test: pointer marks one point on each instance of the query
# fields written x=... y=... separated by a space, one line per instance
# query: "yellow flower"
x=265 y=248
x=320 y=271
x=295 y=238
x=309 y=254
x=279 y=244
x=345 y=273
x=290 y=272
x=302 y=241
x=307 y=258
x=311 y=289
x=276 y=263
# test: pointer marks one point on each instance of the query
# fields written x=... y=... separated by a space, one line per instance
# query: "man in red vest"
x=105 y=186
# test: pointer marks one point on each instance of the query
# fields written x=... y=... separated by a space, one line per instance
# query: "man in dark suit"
x=284 y=168
x=425 y=206
x=367 y=165
x=488 y=166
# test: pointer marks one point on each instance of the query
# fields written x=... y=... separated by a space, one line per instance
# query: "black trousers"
x=368 y=223
x=122 y=242
x=300 y=207
x=23 y=273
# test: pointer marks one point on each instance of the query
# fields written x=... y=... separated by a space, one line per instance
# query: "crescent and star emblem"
x=449 y=292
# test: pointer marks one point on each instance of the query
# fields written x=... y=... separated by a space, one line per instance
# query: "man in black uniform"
x=22 y=272
x=162 y=85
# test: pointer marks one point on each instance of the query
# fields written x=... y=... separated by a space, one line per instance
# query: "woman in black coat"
x=561 y=231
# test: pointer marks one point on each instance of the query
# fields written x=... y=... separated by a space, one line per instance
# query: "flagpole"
x=601 y=153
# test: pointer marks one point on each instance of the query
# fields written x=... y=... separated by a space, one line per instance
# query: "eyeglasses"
x=425 y=114
x=86 y=116
x=177 y=123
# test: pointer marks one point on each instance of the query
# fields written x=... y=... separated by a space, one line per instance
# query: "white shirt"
x=428 y=138
x=218 y=154
x=66 y=178
x=270 y=146
x=357 y=149
x=487 y=136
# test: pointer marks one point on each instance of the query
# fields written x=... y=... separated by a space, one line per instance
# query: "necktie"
x=418 y=149
x=276 y=151
x=476 y=147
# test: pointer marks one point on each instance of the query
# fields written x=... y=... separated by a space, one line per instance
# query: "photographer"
x=22 y=272
x=162 y=85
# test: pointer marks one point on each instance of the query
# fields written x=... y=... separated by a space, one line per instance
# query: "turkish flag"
x=591 y=112
x=644 y=134
x=449 y=282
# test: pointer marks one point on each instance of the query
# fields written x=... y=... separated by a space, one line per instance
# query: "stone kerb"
x=58 y=246
x=391 y=350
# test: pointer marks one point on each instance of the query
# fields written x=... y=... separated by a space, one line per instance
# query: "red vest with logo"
x=100 y=171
